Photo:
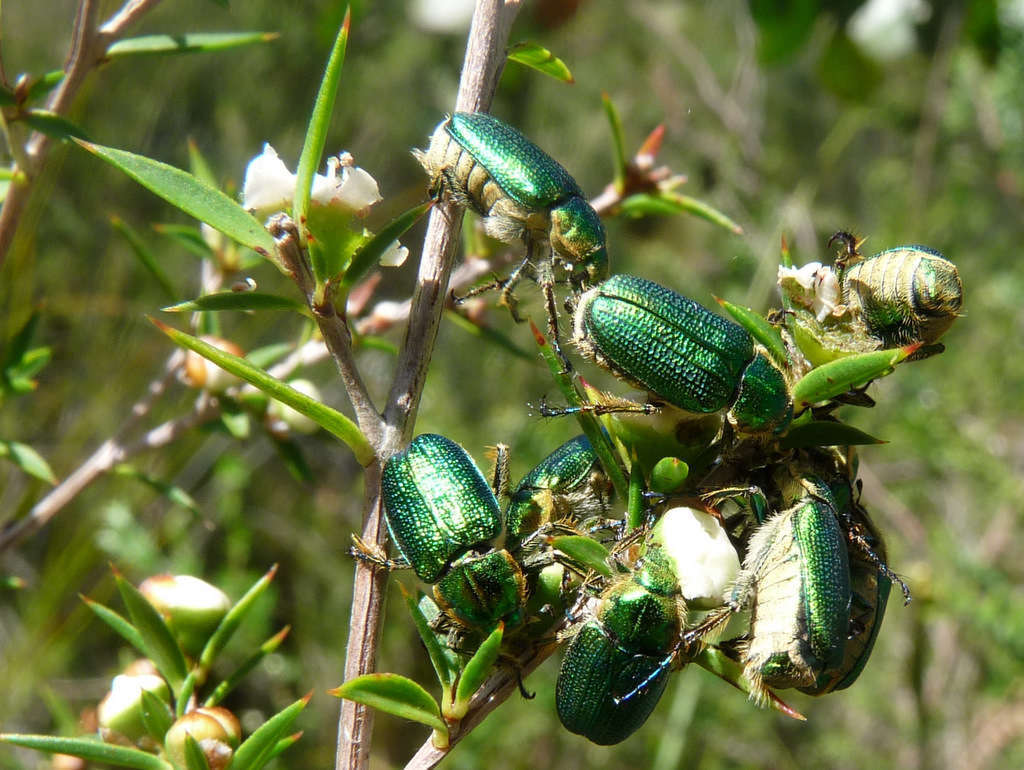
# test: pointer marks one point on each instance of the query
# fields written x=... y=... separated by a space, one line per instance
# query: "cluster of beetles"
x=745 y=547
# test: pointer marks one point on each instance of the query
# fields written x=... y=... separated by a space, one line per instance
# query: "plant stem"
x=485 y=57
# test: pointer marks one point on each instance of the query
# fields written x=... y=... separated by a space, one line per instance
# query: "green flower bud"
x=120 y=712
x=192 y=607
x=208 y=732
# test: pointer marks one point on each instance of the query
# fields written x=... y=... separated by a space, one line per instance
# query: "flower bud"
x=200 y=373
x=208 y=732
x=120 y=712
x=282 y=413
x=192 y=607
x=705 y=561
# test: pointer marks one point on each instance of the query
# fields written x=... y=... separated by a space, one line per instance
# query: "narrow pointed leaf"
x=156 y=715
x=760 y=329
x=194 y=757
x=541 y=59
x=188 y=688
x=233 y=618
x=826 y=433
x=618 y=142
x=445 y=674
x=157 y=638
x=236 y=300
x=396 y=695
x=319 y=123
x=259 y=747
x=670 y=203
x=370 y=252
x=269 y=355
x=227 y=685
x=488 y=334
x=52 y=124
x=188 y=237
x=324 y=416
x=837 y=377
x=585 y=551
x=285 y=743
x=477 y=669
x=635 y=502
x=191 y=42
x=174 y=493
x=199 y=166
x=117 y=622
x=146 y=257
x=44 y=84
x=92 y=750
x=727 y=669
x=181 y=189
x=28 y=459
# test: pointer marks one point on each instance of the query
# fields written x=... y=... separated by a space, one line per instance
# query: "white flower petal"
x=706 y=562
x=269 y=185
x=394 y=256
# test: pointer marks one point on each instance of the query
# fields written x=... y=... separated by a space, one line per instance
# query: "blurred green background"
x=902 y=120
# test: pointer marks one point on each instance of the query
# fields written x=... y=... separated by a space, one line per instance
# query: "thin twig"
x=88 y=46
x=485 y=57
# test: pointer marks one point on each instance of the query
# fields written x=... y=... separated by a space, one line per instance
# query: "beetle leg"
x=375 y=555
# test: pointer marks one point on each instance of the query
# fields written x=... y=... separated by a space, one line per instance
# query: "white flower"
x=814 y=286
x=394 y=255
x=269 y=185
x=705 y=561
x=354 y=189
x=446 y=17
x=885 y=28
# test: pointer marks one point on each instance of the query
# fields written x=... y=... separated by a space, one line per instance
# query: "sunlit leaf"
x=319 y=123
x=477 y=669
x=585 y=551
x=826 y=433
x=370 y=252
x=233 y=618
x=157 y=638
x=52 y=124
x=43 y=85
x=760 y=329
x=265 y=649
x=120 y=624
x=442 y=667
x=183 y=190
x=396 y=695
x=91 y=749
x=330 y=419
x=190 y=42
x=667 y=203
x=618 y=142
x=156 y=715
x=837 y=377
x=541 y=59
x=259 y=748
x=28 y=459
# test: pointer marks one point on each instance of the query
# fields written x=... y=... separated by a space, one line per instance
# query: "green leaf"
x=826 y=433
x=156 y=715
x=235 y=420
x=493 y=336
x=43 y=85
x=285 y=743
x=445 y=673
x=269 y=355
x=233 y=618
x=227 y=685
x=188 y=689
x=584 y=550
x=319 y=123
x=91 y=749
x=236 y=300
x=194 y=757
x=190 y=42
x=259 y=747
x=172 y=492
x=188 y=237
x=541 y=59
x=718 y=663
x=618 y=142
x=146 y=257
x=667 y=203
x=837 y=377
x=120 y=624
x=187 y=193
x=396 y=695
x=324 y=416
x=199 y=166
x=367 y=255
x=28 y=459
x=635 y=502
x=52 y=124
x=477 y=669
x=760 y=329
x=157 y=638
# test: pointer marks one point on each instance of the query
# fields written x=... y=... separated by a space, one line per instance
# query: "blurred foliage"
x=796 y=118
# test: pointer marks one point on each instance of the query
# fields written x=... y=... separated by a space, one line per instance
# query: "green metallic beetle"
x=567 y=486
x=682 y=353
x=903 y=295
x=796 y=580
x=523 y=195
x=442 y=515
x=614 y=670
